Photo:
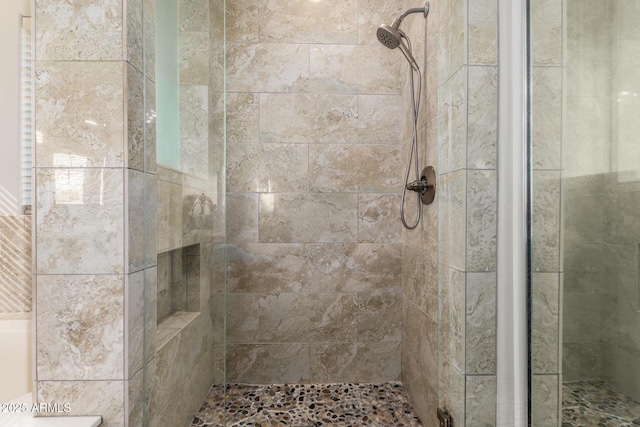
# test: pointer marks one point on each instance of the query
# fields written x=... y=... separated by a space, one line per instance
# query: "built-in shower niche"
x=178 y=290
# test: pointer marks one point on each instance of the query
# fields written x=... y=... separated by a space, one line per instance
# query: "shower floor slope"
x=307 y=405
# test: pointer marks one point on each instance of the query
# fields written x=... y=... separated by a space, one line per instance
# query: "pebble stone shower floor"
x=593 y=403
x=308 y=405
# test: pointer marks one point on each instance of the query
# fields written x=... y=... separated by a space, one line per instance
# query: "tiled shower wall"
x=547 y=115
x=449 y=262
x=94 y=208
x=449 y=279
x=97 y=186
x=15 y=264
x=314 y=167
x=419 y=246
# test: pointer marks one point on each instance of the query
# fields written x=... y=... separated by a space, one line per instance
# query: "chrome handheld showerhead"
x=388 y=36
x=391 y=36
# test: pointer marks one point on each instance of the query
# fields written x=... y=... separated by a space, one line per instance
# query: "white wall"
x=10 y=21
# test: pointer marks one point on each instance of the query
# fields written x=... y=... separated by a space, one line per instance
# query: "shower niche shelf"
x=178 y=292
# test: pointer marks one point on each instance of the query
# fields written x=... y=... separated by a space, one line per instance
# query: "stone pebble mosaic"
x=593 y=404
x=307 y=405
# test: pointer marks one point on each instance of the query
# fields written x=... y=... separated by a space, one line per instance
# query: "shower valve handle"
x=419 y=186
x=426 y=185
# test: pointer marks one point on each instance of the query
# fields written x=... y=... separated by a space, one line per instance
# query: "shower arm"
x=424 y=10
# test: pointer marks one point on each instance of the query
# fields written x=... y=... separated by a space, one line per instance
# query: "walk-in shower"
x=299 y=296
x=393 y=37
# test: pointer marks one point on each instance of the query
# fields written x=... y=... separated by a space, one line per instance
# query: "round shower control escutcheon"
x=429 y=176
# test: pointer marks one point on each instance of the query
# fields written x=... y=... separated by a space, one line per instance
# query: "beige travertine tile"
x=423 y=345
x=545 y=323
x=354 y=267
x=480 y=398
x=546 y=221
x=81 y=396
x=546 y=32
x=483 y=32
x=150 y=165
x=296 y=217
x=379 y=119
x=482 y=117
x=308 y=317
x=135 y=119
x=480 y=327
x=134 y=323
x=267 y=267
x=315 y=22
x=308 y=118
x=194 y=58
x=452 y=285
x=452 y=123
x=242 y=318
x=372 y=13
x=331 y=69
x=452 y=30
x=266 y=67
x=320 y=267
x=242 y=217
x=136 y=205
x=545 y=410
x=169 y=215
x=379 y=218
x=268 y=363
x=74 y=342
x=355 y=362
x=267 y=168
x=134 y=33
x=453 y=222
x=150 y=220
x=242 y=21
x=481 y=220
x=194 y=111
x=177 y=359
x=379 y=70
x=379 y=316
x=80 y=30
x=416 y=280
x=194 y=156
x=79 y=221
x=194 y=15
x=421 y=388
x=350 y=168
x=243 y=116
x=79 y=106
x=546 y=117
x=452 y=383
x=150 y=313
x=134 y=390
x=149 y=34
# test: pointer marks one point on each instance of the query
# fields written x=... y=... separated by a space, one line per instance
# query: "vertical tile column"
x=93 y=256
x=467 y=133
x=546 y=87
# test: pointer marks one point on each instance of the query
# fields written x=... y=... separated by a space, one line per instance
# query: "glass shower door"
x=585 y=86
